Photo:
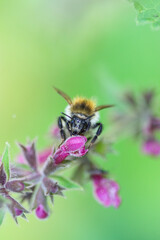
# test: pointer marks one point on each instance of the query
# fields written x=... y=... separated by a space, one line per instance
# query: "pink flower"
x=41 y=213
x=106 y=191
x=42 y=156
x=151 y=147
x=73 y=146
x=21 y=159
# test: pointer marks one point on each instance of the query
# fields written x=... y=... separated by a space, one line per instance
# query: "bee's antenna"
x=66 y=115
x=90 y=117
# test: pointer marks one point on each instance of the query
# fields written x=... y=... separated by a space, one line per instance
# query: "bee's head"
x=79 y=125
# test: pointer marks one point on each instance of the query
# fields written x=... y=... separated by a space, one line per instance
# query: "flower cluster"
x=141 y=120
x=35 y=176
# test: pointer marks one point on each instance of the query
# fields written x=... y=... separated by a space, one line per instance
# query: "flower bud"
x=41 y=213
x=18 y=212
x=73 y=144
x=59 y=156
x=151 y=147
x=106 y=191
x=15 y=186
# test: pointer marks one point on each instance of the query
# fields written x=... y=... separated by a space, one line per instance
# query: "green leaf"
x=66 y=183
x=2 y=214
x=5 y=161
x=148 y=11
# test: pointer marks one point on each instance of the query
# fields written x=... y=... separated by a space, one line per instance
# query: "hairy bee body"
x=83 y=108
x=83 y=105
x=81 y=116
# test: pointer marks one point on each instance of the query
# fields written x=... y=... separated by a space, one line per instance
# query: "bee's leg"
x=86 y=130
x=99 y=131
x=60 y=125
x=88 y=127
x=67 y=125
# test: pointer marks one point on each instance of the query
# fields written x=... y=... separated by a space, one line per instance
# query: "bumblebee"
x=81 y=116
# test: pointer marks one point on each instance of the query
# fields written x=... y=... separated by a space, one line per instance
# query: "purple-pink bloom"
x=106 y=191
x=73 y=146
x=43 y=155
x=151 y=147
x=41 y=213
x=21 y=159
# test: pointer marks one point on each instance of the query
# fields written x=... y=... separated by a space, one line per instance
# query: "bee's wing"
x=102 y=107
x=64 y=95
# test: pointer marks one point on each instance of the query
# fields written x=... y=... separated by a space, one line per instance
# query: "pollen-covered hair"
x=83 y=105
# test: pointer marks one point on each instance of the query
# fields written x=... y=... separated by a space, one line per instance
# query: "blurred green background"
x=89 y=48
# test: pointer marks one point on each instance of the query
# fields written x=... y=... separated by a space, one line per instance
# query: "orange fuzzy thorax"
x=83 y=105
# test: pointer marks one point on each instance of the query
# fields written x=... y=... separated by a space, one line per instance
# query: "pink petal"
x=18 y=212
x=21 y=159
x=43 y=155
x=81 y=152
x=151 y=147
x=41 y=212
x=106 y=191
x=59 y=156
x=117 y=201
x=73 y=144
